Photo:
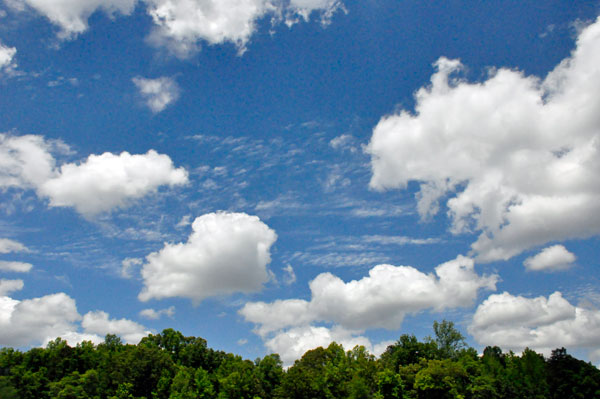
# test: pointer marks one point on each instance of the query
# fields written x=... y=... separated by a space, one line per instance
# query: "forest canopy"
x=170 y=365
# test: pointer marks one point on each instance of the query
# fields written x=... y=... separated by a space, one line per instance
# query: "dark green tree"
x=407 y=350
x=570 y=378
x=527 y=375
x=269 y=372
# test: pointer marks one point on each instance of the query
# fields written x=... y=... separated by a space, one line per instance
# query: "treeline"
x=171 y=366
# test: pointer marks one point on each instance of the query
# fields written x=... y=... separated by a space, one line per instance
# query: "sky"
x=274 y=175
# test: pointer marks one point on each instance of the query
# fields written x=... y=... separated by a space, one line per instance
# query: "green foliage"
x=237 y=379
x=448 y=339
x=124 y=391
x=269 y=373
x=441 y=379
x=571 y=378
x=171 y=366
x=528 y=375
x=7 y=390
x=389 y=385
x=408 y=350
x=183 y=385
x=75 y=385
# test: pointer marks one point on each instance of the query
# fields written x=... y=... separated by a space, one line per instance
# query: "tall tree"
x=448 y=339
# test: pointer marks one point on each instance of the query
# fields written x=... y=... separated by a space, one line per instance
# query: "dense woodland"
x=171 y=366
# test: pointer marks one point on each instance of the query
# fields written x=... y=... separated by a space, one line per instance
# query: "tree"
x=571 y=378
x=527 y=375
x=269 y=372
x=183 y=386
x=60 y=359
x=441 y=379
x=361 y=372
x=389 y=385
x=407 y=350
x=448 y=339
x=7 y=390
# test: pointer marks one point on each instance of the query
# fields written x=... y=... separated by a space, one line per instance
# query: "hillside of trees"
x=171 y=366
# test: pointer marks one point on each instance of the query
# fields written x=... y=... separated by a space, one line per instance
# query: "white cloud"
x=7 y=59
x=542 y=324
x=226 y=253
x=184 y=222
x=37 y=321
x=8 y=246
x=283 y=204
x=553 y=258
x=128 y=264
x=108 y=181
x=182 y=24
x=290 y=276
x=72 y=15
x=156 y=314
x=9 y=286
x=293 y=343
x=380 y=300
x=390 y=292
x=25 y=161
x=99 y=184
x=18 y=267
x=398 y=240
x=343 y=142
x=98 y=323
x=340 y=258
x=304 y=8
x=157 y=93
x=511 y=151
x=278 y=315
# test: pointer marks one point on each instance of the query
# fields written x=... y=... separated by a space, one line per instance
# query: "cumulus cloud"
x=226 y=253
x=98 y=184
x=9 y=286
x=157 y=93
x=293 y=343
x=510 y=152
x=107 y=181
x=157 y=314
x=72 y=15
x=380 y=300
x=7 y=59
x=553 y=258
x=18 y=267
x=26 y=161
x=99 y=323
x=8 y=246
x=182 y=24
x=542 y=324
x=37 y=321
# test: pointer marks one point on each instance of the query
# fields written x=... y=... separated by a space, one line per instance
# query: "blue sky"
x=273 y=175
